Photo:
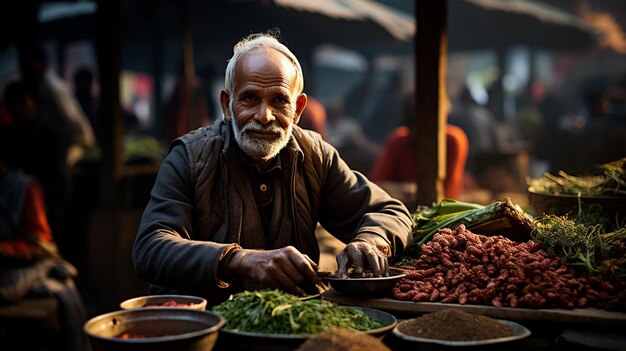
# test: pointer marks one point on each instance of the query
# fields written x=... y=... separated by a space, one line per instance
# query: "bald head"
x=261 y=43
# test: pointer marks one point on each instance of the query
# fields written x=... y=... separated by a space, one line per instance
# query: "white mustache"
x=254 y=126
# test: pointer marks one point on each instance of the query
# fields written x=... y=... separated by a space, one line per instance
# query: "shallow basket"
x=560 y=205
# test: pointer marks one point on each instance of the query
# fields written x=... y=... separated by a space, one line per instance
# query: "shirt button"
x=263 y=187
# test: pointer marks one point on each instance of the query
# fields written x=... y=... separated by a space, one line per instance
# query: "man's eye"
x=281 y=100
x=248 y=98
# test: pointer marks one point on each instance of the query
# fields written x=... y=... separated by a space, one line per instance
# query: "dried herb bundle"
x=612 y=182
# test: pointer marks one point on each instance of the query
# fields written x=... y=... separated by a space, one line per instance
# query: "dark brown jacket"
x=202 y=202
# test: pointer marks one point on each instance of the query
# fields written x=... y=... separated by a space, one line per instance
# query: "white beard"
x=260 y=149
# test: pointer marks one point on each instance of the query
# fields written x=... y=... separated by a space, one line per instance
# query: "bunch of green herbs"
x=579 y=244
x=276 y=312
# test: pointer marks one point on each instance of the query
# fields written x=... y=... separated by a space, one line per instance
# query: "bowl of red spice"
x=179 y=301
x=154 y=329
x=453 y=327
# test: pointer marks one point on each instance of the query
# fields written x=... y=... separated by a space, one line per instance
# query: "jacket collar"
x=293 y=147
x=227 y=133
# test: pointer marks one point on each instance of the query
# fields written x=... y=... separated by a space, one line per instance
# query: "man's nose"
x=264 y=115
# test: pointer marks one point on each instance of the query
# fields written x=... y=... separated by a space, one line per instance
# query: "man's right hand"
x=286 y=268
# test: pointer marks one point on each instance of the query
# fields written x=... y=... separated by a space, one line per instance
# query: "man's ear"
x=300 y=105
x=225 y=102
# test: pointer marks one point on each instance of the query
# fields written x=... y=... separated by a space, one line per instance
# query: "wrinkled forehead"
x=266 y=61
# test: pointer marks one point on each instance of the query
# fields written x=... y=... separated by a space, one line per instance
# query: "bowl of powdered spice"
x=337 y=339
x=453 y=327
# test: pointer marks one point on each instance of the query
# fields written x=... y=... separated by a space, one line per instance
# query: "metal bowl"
x=196 y=302
x=365 y=286
x=520 y=332
x=239 y=340
x=155 y=329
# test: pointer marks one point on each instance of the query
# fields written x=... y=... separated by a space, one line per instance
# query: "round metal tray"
x=520 y=332
x=366 y=286
x=239 y=340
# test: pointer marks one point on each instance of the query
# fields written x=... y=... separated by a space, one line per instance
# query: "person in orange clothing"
x=314 y=117
x=397 y=160
x=33 y=237
x=25 y=235
x=30 y=264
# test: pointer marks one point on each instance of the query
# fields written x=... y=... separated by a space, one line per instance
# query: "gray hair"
x=256 y=41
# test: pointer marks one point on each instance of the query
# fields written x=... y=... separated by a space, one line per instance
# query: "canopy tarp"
x=492 y=24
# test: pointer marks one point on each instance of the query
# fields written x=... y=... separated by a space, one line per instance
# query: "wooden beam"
x=430 y=99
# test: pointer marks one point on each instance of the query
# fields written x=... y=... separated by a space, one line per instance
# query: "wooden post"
x=189 y=69
x=157 y=72
x=107 y=262
x=430 y=99
x=109 y=53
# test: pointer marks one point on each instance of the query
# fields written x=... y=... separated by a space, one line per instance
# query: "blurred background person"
x=30 y=264
x=83 y=90
x=58 y=103
x=478 y=123
x=398 y=161
x=39 y=150
x=356 y=99
x=314 y=117
x=386 y=111
x=346 y=134
x=190 y=105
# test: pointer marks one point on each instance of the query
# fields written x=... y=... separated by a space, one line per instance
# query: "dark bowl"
x=154 y=329
x=520 y=332
x=196 y=302
x=238 y=340
x=365 y=286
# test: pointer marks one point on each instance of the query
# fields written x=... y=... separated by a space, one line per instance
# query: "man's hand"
x=361 y=254
x=286 y=268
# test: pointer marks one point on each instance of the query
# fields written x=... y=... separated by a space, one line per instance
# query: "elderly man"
x=235 y=205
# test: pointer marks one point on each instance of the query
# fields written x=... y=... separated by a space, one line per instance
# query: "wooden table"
x=587 y=316
x=31 y=324
x=551 y=328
